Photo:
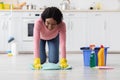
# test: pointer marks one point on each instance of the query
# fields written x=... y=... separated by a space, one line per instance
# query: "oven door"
x=27 y=28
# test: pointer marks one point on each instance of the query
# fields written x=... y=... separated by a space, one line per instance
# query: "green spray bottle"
x=92 y=56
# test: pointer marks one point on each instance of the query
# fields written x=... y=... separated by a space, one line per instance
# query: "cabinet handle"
x=71 y=25
x=70 y=14
x=105 y=25
x=7 y=24
x=1 y=24
x=32 y=21
x=4 y=25
x=97 y=14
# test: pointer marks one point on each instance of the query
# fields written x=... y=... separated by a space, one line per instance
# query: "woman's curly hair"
x=52 y=12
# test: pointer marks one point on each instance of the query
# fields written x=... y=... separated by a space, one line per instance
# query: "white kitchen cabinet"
x=75 y=23
x=4 y=24
x=113 y=22
x=2 y=34
x=96 y=29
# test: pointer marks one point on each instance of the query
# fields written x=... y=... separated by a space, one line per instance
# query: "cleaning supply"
x=104 y=67
x=11 y=39
x=37 y=64
x=92 y=56
x=9 y=53
x=63 y=63
x=101 y=56
x=14 y=50
x=50 y=66
x=13 y=45
x=53 y=66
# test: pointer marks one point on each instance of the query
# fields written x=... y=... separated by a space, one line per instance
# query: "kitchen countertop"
x=62 y=10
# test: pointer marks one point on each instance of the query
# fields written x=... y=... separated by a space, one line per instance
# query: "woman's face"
x=50 y=23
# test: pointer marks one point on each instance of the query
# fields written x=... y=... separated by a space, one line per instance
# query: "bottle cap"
x=92 y=46
x=102 y=46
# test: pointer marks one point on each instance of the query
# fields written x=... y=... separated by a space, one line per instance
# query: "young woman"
x=50 y=29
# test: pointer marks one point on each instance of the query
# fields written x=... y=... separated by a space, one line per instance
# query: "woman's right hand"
x=37 y=64
x=63 y=63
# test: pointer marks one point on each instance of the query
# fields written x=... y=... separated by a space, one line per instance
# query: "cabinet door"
x=76 y=23
x=113 y=22
x=68 y=32
x=2 y=34
x=78 y=35
x=96 y=29
x=4 y=24
x=4 y=31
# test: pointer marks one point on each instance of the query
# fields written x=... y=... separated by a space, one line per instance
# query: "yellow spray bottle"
x=101 y=56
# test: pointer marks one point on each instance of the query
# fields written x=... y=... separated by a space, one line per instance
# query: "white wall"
x=79 y=4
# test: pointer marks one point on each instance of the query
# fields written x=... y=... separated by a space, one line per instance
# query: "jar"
x=65 y=5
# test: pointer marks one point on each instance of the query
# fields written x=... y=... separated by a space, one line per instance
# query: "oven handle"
x=29 y=20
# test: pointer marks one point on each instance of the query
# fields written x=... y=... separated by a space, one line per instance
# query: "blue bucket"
x=87 y=52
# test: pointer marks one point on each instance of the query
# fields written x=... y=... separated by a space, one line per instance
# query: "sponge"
x=51 y=66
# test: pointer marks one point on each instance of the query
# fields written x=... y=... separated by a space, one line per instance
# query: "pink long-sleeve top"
x=41 y=32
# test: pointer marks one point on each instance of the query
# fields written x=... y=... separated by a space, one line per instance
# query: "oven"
x=28 y=20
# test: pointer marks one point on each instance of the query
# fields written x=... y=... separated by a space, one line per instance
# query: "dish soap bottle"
x=92 y=56
x=101 y=56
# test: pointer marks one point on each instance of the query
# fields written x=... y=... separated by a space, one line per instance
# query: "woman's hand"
x=63 y=63
x=37 y=64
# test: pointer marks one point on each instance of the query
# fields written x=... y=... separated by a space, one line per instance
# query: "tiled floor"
x=18 y=68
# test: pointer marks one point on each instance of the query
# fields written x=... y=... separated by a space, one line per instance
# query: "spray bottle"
x=92 y=56
x=13 y=46
x=101 y=56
